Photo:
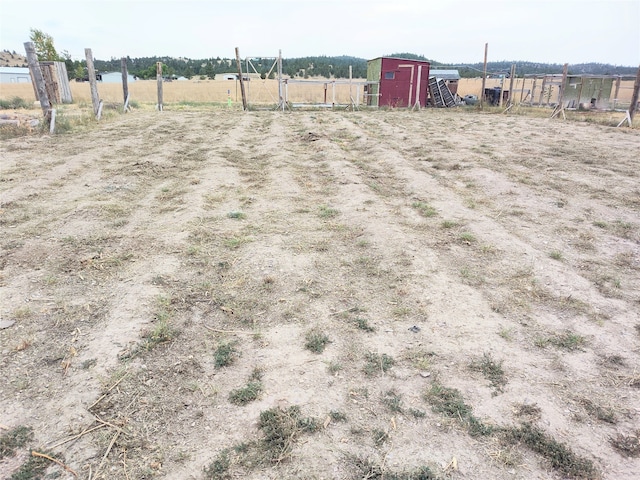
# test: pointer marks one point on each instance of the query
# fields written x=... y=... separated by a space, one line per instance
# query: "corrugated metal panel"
x=374 y=69
x=583 y=90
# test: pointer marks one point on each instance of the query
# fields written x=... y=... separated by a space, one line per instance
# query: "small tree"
x=68 y=62
x=45 y=50
x=210 y=71
x=78 y=71
x=151 y=72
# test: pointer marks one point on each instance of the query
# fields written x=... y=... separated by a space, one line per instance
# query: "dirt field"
x=214 y=294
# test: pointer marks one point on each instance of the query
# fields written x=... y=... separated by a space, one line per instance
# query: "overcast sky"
x=547 y=31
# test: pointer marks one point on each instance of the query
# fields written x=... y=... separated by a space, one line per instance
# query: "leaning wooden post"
x=634 y=102
x=38 y=79
x=544 y=83
x=615 y=96
x=351 y=87
x=418 y=91
x=533 y=89
x=333 y=94
x=52 y=123
x=95 y=99
x=634 y=98
x=280 y=93
x=240 y=79
x=512 y=75
x=125 y=83
x=159 y=79
x=560 y=106
x=484 y=74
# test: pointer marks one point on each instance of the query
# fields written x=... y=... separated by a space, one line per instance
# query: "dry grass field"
x=260 y=92
x=211 y=294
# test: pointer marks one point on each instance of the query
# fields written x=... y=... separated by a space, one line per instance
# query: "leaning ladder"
x=440 y=93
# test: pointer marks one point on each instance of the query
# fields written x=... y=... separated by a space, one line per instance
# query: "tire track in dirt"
x=259 y=193
x=490 y=227
x=409 y=283
x=498 y=178
x=585 y=368
x=565 y=282
x=272 y=253
x=328 y=233
x=279 y=353
x=158 y=257
x=131 y=311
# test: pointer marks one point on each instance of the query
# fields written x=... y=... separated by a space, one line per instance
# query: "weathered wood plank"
x=95 y=98
x=38 y=79
x=63 y=82
x=242 y=92
x=159 y=80
x=125 y=82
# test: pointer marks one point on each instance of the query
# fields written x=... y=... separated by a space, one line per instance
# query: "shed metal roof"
x=399 y=58
x=15 y=70
x=445 y=74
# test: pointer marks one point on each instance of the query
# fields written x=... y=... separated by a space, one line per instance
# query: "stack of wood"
x=19 y=120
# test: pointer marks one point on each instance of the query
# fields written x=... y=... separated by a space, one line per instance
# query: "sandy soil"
x=470 y=283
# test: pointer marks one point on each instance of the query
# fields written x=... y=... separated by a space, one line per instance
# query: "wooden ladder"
x=440 y=93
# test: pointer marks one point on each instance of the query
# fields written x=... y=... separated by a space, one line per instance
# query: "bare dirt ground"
x=321 y=295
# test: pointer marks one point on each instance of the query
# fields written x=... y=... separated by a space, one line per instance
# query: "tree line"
x=338 y=67
x=208 y=68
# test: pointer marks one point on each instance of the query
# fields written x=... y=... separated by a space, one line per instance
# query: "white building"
x=116 y=77
x=14 y=75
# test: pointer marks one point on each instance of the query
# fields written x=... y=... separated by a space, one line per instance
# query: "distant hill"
x=12 y=59
x=526 y=68
x=471 y=70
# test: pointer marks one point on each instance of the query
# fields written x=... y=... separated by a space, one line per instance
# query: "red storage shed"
x=397 y=82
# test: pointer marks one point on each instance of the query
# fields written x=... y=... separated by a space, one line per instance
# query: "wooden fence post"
x=244 y=96
x=280 y=92
x=560 y=106
x=95 y=99
x=634 y=102
x=353 y=103
x=38 y=79
x=512 y=76
x=484 y=74
x=634 y=97
x=125 y=83
x=159 y=79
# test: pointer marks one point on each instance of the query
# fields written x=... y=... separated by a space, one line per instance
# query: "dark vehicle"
x=86 y=78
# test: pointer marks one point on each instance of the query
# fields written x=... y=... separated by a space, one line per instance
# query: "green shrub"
x=14 y=103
